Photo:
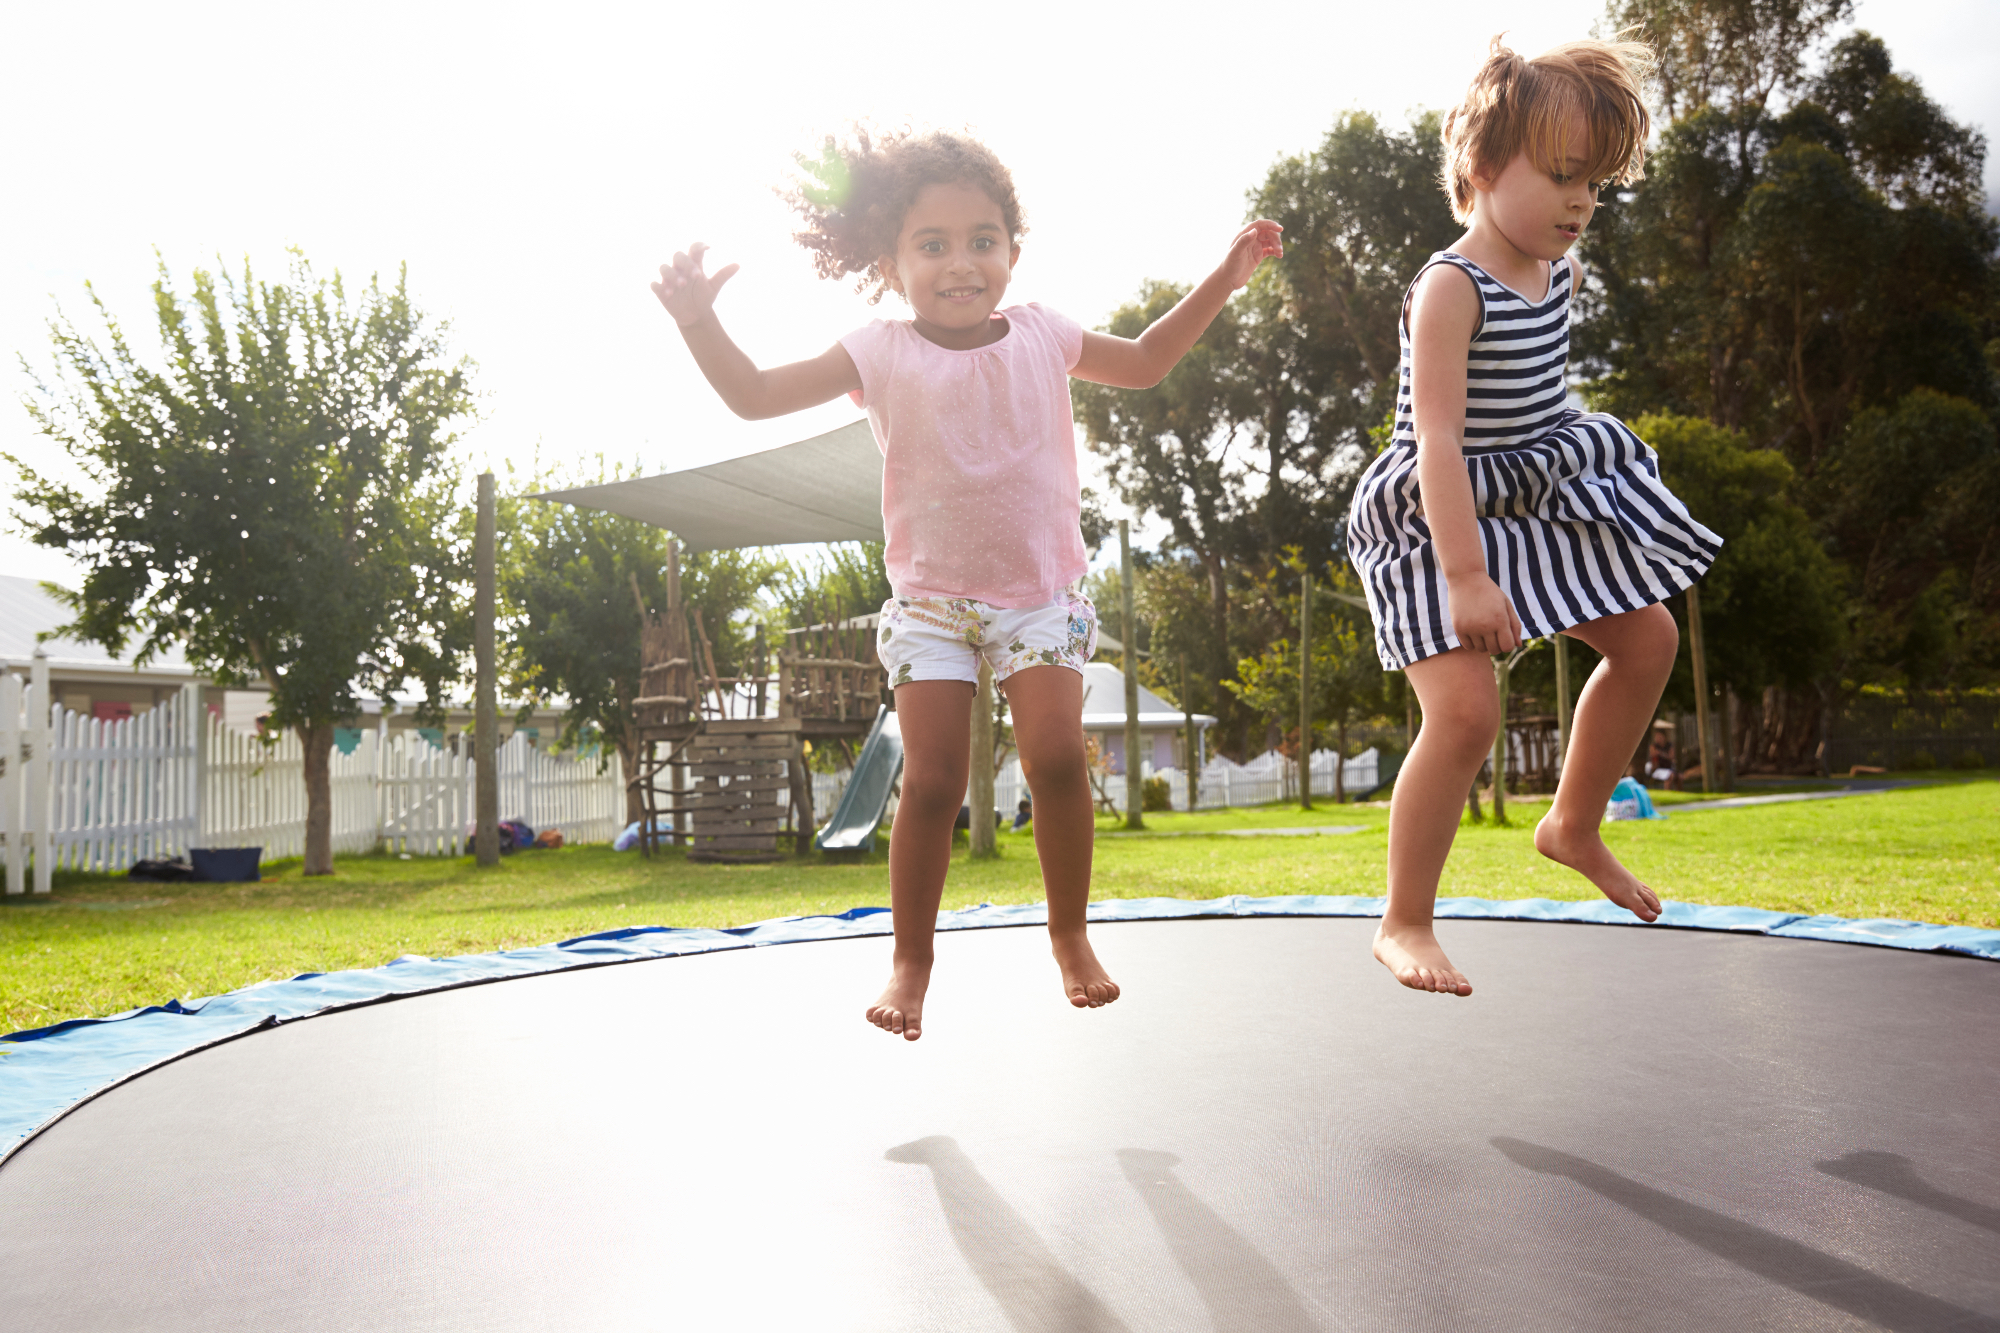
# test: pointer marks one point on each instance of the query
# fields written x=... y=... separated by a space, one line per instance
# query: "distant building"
x=84 y=677
x=87 y=678
x=1160 y=723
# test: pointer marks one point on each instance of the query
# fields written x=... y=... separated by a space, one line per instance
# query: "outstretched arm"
x=1444 y=315
x=1142 y=362
x=688 y=294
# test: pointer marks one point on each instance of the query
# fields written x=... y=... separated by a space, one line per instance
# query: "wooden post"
x=1305 y=691
x=485 y=705
x=1135 y=782
x=1562 y=700
x=979 y=791
x=677 y=774
x=11 y=786
x=1700 y=686
x=1191 y=746
x=35 y=770
x=1502 y=669
x=1728 y=721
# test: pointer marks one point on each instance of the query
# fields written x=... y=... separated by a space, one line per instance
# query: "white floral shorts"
x=943 y=638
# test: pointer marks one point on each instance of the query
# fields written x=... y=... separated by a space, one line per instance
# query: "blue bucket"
x=226 y=865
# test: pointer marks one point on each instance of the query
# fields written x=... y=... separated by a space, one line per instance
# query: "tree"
x=1774 y=603
x=1165 y=449
x=279 y=496
x=1733 y=54
x=1251 y=446
x=570 y=584
x=1347 y=675
x=1912 y=492
x=1778 y=272
x=1810 y=262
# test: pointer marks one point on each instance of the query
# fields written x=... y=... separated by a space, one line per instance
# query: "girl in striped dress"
x=1499 y=513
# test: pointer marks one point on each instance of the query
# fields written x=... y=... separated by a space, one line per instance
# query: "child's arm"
x=689 y=296
x=1444 y=315
x=1142 y=362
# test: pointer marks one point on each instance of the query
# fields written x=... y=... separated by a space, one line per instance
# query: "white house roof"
x=824 y=489
x=26 y=610
x=1104 y=703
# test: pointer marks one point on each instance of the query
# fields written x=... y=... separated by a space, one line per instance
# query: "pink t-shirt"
x=980 y=495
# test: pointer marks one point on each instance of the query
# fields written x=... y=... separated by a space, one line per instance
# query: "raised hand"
x=686 y=291
x=1259 y=241
x=1482 y=616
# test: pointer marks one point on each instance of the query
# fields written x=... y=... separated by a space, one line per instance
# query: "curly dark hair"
x=854 y=194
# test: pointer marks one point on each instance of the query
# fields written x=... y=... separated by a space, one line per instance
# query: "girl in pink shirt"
x=970 y=405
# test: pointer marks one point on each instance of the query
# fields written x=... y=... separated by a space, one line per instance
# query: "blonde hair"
x=1517 y=104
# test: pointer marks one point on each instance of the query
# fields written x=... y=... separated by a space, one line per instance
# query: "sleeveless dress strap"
x=1463 y=265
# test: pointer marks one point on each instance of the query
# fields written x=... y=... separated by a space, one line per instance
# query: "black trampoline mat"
x=1625 y=1128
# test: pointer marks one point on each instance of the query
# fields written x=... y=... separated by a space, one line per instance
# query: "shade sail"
x=825 y=489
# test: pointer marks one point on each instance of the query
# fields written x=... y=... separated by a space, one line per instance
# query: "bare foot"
x=1085 y=981
x=901 y=1008
x=1583 y=850
x=1412 y=955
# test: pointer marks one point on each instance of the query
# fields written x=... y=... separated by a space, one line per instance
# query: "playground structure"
x=722 y=760
x=1534 y=760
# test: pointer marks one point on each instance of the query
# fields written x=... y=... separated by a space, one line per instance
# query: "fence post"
x=35 y=772
x=528 y=810
x=194 y=733
x=11 y=785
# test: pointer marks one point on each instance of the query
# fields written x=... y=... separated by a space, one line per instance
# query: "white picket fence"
x=83 y=793
x=1268 y=777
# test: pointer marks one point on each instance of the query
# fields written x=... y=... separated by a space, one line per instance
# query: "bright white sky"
x=533 y=164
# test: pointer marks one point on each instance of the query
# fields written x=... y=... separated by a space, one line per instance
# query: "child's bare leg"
x=1047 y=704
x=936 y=723
x=1612 y=716
x=1461 y=713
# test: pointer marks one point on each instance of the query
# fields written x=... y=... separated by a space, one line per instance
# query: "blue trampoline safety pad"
x=45 y=1072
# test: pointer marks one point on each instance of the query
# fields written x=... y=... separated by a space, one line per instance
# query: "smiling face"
x=1539 y=211
x=953 y=262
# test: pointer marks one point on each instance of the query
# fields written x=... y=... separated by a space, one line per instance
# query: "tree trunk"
x=1218 y=605
x=1340 y=759
x=979 y=788
x=317 y=738
x=635 y=802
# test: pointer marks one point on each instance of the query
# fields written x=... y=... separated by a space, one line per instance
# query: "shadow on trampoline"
x=1893 y=1173
x=1823 y=1277
x=1035 y=1291
x=1244 y=1291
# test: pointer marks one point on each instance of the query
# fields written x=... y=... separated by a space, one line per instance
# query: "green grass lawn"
x=100 y=944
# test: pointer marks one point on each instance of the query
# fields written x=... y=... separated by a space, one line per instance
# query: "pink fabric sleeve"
x=1068 y=333
x=866 y=345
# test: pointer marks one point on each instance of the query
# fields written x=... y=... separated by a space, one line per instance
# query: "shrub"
x=1156 y=794
x=1919 y=759
x=1969 y=759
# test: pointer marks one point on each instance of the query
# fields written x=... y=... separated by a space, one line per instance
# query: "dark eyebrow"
x=939 y=231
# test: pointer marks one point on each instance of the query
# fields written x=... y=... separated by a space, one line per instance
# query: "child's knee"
x=1467 y=721
x=1054 y=769
x=1663 y=635
x=929 y=797
x=1651 y=637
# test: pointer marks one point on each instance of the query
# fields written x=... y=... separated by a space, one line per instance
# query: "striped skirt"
x=1577 y=525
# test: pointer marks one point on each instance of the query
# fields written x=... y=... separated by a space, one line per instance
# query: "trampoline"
x=1625 y=1128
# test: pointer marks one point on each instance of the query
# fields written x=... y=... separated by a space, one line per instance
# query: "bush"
x=1156 y=794
x=1919 y=759
x=1969 y=759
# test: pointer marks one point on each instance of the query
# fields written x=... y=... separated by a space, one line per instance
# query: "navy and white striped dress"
x=1571 y=510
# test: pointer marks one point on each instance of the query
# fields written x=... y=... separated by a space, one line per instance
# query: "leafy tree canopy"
x=278 y=495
